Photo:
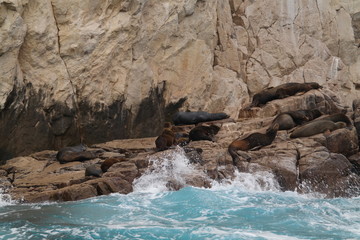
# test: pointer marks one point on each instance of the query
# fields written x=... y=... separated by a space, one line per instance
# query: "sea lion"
x=75 y=153
x=338 y=117
x=290 y=89
x=165 y=140
x=185 y=118
x=281 y=91
x=93 y=170
x=203 y=133
x=262 y=97
x=288 y=120
x=316 y=127
x=254 y=140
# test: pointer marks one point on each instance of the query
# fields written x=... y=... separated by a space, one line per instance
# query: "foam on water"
x=176 y=167
x=250 y=182
x=251 y=206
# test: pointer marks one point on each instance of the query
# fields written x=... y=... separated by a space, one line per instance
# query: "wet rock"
x=84 y=190
x=327 y=173
x=343 y=141
x=194 y=155
x=127 y=169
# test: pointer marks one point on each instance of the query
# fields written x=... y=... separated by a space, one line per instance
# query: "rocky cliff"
x=326 y=164
x=93 y=71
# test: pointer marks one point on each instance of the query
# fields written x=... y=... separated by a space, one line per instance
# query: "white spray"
x=174 y=166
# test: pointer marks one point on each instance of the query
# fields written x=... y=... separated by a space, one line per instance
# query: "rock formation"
x=93 y=71
x=326 y=163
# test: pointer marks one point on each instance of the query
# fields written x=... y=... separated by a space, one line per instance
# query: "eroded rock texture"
x=326 y=163
x=93 y=71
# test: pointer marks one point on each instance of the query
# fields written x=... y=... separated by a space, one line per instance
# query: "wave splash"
x=5 y=199
x=167 y=169
x=250 y=182
x=175 y=168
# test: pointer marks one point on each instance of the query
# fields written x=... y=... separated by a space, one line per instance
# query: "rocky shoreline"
x=324 y=163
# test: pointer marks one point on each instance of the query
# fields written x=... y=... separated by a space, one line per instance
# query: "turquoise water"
x=250 y=207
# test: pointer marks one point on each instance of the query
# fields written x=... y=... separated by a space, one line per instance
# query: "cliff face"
x=100 y=70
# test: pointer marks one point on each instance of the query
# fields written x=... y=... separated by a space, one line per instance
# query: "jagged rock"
x=318 y=163
x=343 y=141
x=127 y=169
x=327 y=173
x=355 y=161
x=84 y=190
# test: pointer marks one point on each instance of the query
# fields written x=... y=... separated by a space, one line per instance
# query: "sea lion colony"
x=181 y=133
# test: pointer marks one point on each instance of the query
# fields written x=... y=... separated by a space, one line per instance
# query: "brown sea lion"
x=290 y=89
x=262 y=97
x=252 y=141
x=203 y=133
x=180 y=133
x=168 y=125
x=281 y=91
x=93 y=170
x=165 y=140
x=316 y=127
x=338 y=117
x=288 y=120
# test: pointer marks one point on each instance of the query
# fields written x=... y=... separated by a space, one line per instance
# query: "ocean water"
x=249 y=207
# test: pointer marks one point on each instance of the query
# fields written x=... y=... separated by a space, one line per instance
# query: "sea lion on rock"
x=203 y=133
x=281 y=91
x=252 y=141
x=288 y=120
x=316 y=127
x=338 y=117
x=75 y=153
x=262 y=97
x=93 y=170
x=290 y=89
x=165 y=140
x=185 y=118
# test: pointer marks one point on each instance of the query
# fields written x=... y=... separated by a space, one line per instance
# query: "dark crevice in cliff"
x=73 y=88
x=262 y=65
x=218 y=43
x=27 y=127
